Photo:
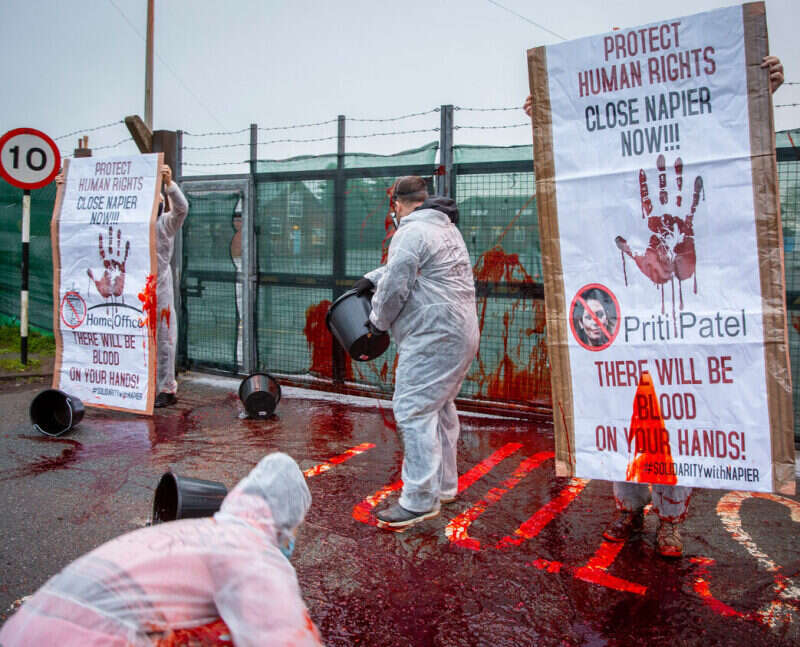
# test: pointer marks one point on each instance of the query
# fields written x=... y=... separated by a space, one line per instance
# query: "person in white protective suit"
x=152 y=585
x=425 y=294
x=167 y=227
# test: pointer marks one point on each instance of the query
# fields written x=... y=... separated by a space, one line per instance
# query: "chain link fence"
x=264 y=254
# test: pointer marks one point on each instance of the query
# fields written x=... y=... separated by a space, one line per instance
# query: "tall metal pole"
x=148 y=69
x=339 y=249
x=23 y=300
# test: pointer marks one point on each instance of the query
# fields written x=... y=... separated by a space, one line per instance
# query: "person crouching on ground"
x=426 y=295
x=148 y=586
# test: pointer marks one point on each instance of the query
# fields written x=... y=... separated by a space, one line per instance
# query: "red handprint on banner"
x=670 y=252
x=112 y=282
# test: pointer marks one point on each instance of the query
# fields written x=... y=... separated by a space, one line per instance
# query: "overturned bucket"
x=53 y=412
x=347 y=319
x=180 y=497
x=260 y=394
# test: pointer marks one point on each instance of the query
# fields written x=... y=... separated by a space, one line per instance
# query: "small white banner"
x=105 y=265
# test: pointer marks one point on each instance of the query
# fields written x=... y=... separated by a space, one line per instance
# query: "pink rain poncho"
x=147 y=586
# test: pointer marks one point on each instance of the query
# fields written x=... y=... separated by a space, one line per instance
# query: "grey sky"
x=221 y=65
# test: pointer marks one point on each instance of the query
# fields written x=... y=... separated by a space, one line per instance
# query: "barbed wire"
x=88 y=130
x=395 y=132
x=527 y=123
x=210 y=148
x=401 y=117
x=215 y=163
x=215 y=134
x=99 y=148
x=787 y=105
x=487 y=109
x=319 y=123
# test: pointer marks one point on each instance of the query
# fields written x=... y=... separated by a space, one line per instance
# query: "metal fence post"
x=250 y=284
x=445 y=180
x=339 y=248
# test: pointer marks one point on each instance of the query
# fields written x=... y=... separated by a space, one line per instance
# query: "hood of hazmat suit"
x=425 y=294
x=143 y=587
x=446 y=205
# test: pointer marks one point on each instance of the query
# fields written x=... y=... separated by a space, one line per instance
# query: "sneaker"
x=668 y=539
x=396 y=516
x=164 y=400
x=624 y=525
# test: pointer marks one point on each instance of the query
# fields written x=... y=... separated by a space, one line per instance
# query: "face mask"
x=288 y=550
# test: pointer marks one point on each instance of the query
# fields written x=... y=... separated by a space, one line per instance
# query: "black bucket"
x=347 y=319
x=260 y=394
x=179 y=497
x=53 y=412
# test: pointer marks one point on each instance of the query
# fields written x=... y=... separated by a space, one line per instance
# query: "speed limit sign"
x=29 y=159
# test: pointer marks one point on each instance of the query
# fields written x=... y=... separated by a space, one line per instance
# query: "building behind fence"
x=264 y=253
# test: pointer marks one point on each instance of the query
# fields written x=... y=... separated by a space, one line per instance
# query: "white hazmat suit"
x=425 y=294
x=167 y=227
x=140 y=588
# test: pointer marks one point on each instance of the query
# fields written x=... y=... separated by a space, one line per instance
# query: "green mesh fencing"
x=294 y=227
x=210 y=312
x=484 y=154
x=789 y=185
x=500 y=227
x=40 y=259
x=319 y=227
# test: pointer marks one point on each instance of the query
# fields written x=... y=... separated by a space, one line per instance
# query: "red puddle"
x=320 y=342
x=365 y=586
x=363 y=511
x=652 y=458
x=149 y=300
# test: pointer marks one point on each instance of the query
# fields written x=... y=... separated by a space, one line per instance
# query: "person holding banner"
x=168 y=225
x=229 y=574
x=669 y=502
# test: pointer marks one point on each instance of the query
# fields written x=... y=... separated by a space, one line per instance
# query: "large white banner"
x=105 y=264
x=651 y=155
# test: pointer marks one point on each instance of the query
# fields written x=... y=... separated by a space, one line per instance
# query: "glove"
x=363 y=285
x=373 y=330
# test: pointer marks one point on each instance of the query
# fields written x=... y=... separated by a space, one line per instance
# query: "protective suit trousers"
x=166 y=340
x=426 y=386
x=670 y=502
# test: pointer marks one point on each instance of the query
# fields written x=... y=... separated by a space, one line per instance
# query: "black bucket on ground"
x=179 y=497
x=347 y=320
x=260 y=394
x=53 y=412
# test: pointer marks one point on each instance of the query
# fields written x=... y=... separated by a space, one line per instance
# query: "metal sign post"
x=29 y=159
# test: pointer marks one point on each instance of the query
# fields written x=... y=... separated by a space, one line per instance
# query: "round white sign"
x=29 y=159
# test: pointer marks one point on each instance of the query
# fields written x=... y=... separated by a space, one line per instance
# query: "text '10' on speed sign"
x=29 y=159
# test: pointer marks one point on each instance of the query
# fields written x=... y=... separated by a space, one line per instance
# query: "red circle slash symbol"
x=73 y=309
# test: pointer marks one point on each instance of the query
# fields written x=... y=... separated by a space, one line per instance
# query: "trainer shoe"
x=668 y=539
x=397 y=517
x=625 y=524
x=164 y=399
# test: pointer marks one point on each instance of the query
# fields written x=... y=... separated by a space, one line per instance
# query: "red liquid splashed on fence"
x=522 y=374
x=320 y=342
x=149 y=300
x=649 y=438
